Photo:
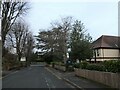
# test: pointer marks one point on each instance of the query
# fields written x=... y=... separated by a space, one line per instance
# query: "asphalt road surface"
x=34 y=77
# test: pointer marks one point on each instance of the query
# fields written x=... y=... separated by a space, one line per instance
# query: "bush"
x=118 y=66
x=107 y=66
x=83 y=65
x=95 y=67
x=112 y=66
x=76 y=65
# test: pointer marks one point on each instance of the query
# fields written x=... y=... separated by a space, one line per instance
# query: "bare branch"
x=10 y=12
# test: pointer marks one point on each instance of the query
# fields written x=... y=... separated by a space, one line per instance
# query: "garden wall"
x=107 y=78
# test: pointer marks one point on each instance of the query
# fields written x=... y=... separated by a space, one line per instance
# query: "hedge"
x=112 y=66
x=107 y=66
x=95 y=67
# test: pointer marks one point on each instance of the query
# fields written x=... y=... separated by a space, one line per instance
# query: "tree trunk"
x=3 y=41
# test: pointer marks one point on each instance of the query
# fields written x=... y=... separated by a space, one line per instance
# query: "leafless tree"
x=10 y=12
x=64 y=26
x=18 y=37
x=28 y=50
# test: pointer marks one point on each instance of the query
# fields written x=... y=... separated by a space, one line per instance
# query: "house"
x=106 y=48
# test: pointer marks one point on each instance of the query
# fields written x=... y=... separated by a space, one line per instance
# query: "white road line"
x=70 y=85
x=53 y=73
x=47 y=83
x=65 y=79
x=73 y=83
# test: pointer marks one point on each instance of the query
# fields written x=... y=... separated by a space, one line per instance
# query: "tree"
x=51 y=43
x=64 y=26
x=18 y=36
x=10 y=12
x=55 y=41
x=80 y=43
x=29 y=46
x=46 y=44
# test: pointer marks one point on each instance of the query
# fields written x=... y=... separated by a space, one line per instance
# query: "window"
x=98 y=53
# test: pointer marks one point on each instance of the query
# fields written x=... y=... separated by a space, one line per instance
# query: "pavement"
x=79 y=82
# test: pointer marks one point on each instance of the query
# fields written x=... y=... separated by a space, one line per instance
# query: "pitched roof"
x=107 y=42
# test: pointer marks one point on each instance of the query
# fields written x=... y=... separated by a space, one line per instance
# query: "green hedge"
x=76 y=65
x=107 y=66
x=112 y=66
x=82 y=65
x=95 y=67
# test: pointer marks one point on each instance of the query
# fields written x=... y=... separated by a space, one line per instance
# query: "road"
x=34 y=77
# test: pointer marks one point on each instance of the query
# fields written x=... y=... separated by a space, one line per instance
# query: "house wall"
x=106 y=54
x=111 y=52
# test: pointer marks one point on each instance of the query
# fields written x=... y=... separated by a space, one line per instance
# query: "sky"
x=99 y=18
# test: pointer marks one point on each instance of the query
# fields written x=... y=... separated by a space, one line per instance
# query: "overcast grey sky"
x=99 y=18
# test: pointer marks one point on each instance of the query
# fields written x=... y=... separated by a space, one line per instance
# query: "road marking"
x=75 y=85
x=47 y=83
x=70 y=85
x=53 y=73
x=9 y=74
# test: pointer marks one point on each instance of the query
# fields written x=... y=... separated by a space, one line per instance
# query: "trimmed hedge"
x=112 y=66
x=95 y=67
x=107 y=66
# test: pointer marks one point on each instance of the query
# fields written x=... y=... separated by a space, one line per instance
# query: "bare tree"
x=18 y=37
x=64 y=26
x=55 y=40
x=10 y=12
x=29 y=47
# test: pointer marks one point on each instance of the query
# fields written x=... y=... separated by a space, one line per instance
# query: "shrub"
x=58 y=63
x=112 y=66
x=83 y=65
x=95 y=67
x=108 y=66
x=76 y=65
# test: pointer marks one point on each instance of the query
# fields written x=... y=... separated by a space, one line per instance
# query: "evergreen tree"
x=80 y=43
